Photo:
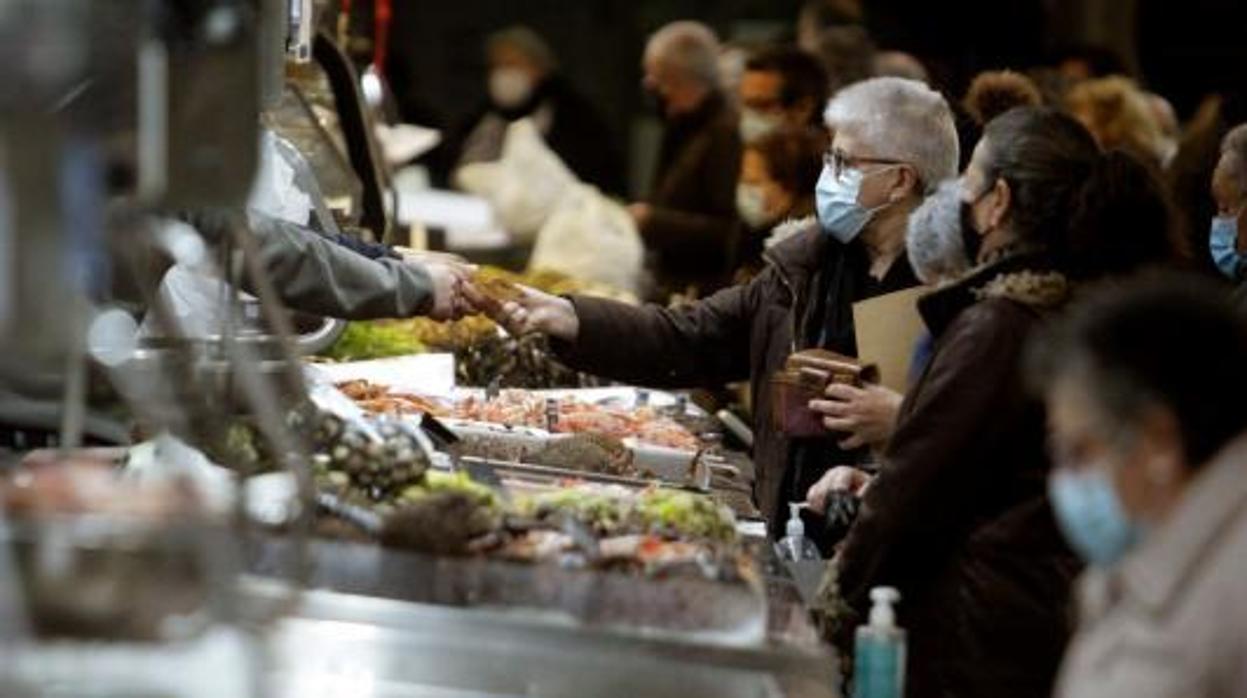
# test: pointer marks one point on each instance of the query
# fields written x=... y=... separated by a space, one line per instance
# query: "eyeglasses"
x=838 y=161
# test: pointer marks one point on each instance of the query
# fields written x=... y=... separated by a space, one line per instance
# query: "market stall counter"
x=351 y=644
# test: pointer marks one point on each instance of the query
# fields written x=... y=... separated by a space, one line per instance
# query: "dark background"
x=1183 y=49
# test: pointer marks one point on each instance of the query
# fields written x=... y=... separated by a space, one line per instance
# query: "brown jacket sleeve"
x=702 y=343
x=703 y=232
x=951 y=427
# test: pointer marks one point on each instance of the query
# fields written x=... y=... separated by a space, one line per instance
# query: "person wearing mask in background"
x=776 y=191
x=957 y=517
x=524 y=81
x=689 y=221
x=894 y=141
x=1228 y=238
x=782 y=86
x=1118 y=114
x=1149 y=439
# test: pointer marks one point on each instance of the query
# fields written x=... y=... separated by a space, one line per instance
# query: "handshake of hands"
x=458 y=290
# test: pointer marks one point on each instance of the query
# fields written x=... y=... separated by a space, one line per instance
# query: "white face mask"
x=755 y=125
x=510 y=87
x=751 y=205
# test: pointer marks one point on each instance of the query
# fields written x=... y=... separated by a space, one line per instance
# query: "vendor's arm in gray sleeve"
x=315 y=275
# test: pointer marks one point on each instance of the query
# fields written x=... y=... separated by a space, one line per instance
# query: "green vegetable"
x=604 y=512
x=375 y=340
x=437 y=482
x=690 y=515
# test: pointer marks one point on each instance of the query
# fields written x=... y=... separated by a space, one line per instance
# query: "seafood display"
x=378 y=399
x=653 y=531
x=369 y=462
x=515 y=362
x=518 y=408
x=522 y=408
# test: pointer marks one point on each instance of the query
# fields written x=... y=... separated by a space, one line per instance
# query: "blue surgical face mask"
x=1091 y=515
x=839 y=214
x=1223 y=243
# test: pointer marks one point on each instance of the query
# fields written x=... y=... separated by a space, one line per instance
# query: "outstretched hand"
x=529 y=311
x=449 y=281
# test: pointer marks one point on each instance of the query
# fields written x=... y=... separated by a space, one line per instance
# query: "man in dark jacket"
x=689 y=221
x=894 y=140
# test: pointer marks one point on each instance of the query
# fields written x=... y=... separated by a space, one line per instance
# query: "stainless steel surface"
x=123 y=578
x=690 y=606
x=541 y=474
x=355 y=646
x=319 y=338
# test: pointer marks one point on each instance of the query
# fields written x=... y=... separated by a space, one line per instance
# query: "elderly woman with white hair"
x=895 y=140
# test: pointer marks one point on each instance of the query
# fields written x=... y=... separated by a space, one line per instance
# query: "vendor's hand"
x=641 y=213
x=842 y=478
x=449 y=281
x=533 y=312
x=867 y=414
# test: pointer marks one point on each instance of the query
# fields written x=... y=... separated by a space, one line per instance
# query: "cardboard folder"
x=888 y=327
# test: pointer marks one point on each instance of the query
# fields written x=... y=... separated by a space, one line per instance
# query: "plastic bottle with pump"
x=879 y=650
x=794 y=546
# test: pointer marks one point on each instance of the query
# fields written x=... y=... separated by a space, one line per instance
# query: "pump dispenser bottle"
x=794 y=546
x=879 y=651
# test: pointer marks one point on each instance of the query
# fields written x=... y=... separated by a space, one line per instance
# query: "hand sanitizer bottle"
x=879 y=652
x=794 y=546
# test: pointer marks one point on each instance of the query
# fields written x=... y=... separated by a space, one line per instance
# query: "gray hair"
x=933 y=238
x=691 y=48
x=900 y=119
x=527 y=42
x=1235 y=146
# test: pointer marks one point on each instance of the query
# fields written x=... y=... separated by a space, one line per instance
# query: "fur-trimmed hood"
x=788 y=229
x=1028 y=277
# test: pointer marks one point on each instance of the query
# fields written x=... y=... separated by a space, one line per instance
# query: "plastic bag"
x=525 y=186
x=274 y=191
x=592 y=238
